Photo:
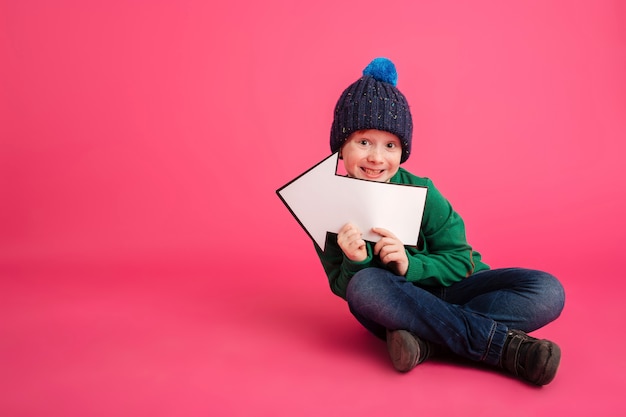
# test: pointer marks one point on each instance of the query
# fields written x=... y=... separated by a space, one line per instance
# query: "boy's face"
x=372 y=155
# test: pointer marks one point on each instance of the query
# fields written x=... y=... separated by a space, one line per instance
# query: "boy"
x=438 y=296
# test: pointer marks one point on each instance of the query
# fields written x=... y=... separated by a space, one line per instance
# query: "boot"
x=406 y=350
x=532 y=359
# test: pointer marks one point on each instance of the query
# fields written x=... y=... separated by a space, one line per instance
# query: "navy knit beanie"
x=373 y=102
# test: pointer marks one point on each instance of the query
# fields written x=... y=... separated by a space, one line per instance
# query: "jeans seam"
x=491 y=334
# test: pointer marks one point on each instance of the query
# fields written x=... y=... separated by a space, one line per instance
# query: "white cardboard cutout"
x=322 y=201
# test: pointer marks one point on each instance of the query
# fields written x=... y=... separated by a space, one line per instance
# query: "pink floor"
x=168 y=341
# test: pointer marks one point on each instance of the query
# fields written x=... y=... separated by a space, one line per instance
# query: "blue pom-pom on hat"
x=382 y=69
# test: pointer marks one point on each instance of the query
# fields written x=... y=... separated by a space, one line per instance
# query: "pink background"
x=148 y=268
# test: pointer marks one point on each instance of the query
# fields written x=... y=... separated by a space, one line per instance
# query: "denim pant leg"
x=458 y=318
x=522 y=299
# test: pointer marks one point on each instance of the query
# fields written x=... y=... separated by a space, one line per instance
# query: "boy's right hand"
x=350 y=240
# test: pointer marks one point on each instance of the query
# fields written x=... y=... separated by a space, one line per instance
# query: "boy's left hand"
x=391 y=251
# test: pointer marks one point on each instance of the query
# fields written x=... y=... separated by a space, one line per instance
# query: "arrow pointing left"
x=322 y=201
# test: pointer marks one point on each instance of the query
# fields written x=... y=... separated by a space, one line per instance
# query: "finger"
x=391 y=248
x=389 y=257
x=392 y=257
x=352 y=238
x=383 y=242
x=348 y=230
x=383 y=232
x=384 y=252
x=345 y=228
x=354 y=241
x=353 y=235
x=379 y=246
x=352 y=226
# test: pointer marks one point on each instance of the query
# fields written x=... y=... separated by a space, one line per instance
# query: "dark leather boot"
x=532 y=359
x=407 y=350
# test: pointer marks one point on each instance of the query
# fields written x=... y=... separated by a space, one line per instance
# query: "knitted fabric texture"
x=373 y=102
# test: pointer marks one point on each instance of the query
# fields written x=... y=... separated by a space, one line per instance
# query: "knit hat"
x=373 y=102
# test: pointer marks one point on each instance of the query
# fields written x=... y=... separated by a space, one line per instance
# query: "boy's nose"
x=374 y=155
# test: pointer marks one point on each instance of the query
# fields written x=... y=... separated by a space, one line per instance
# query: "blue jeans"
x=470 y=318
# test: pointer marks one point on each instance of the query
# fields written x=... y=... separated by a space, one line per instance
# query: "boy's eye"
x=391 y=145
x=363 y=142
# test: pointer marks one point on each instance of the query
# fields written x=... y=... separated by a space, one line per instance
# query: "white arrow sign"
x=322 y=201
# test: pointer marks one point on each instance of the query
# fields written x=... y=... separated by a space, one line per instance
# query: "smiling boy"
x=439 y=295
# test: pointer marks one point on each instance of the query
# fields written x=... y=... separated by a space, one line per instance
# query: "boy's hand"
x=350 y=240
x=391 y=251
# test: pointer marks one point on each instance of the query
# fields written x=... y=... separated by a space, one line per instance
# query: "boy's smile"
x=372 y=155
